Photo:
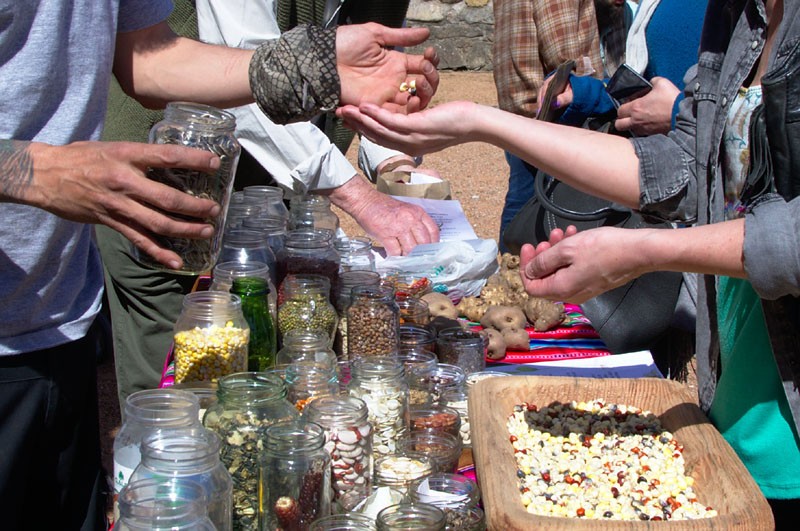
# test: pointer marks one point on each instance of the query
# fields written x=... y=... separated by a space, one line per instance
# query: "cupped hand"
x=576 y=266
x=561 y=100
x=106 y=182
x=371 y=73
x=652 y=113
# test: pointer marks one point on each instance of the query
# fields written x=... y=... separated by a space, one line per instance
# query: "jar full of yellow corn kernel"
x=211 y=337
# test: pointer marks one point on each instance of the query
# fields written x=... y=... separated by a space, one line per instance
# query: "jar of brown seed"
x=373 y=321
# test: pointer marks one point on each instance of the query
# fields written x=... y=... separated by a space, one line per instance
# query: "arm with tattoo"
x=16 y=170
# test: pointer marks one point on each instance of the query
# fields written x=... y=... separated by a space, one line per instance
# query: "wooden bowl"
x=721 y=480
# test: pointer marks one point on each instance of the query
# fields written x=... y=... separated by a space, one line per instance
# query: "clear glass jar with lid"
x=190 y=453
x=306 y=306
x=308 y=346
x=163 y=505
x=373 y=319
x=342 y=297
x=211 y=337
x=201 y=127
x=307 y=381
x=380 y=383
x=247 y=404
x=308 y=252
x=355 y=254
x=348 y=439
x=312 y=211
x=146 y=411
x=410 y=515
x=294 y=484
x=270 y=198
x=344 y=522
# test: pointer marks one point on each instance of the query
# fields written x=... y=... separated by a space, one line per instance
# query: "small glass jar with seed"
x=401 y=469
x=342 y=297
x=348 y=439
x=463 y=348
x=247 y=404
x=406 y=516
x=211 y=337
x=294 y=484
x=308 y=380
x=344 y=522
x=201 y=127
x=435 y=417
x=308 y=252
x=444 y=378
x=456 y=495
x=307 y=306
x=373 y=319
x=419 y=364
x=413 y=310
x=443 y=449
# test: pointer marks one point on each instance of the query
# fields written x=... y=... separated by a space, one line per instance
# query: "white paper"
x=447 y=214
x=630 y=365
x=423 y=178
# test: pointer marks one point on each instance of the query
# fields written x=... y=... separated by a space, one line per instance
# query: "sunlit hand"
x=561 y=100
x=105 y=182
x=652 y=113
x=372 y=74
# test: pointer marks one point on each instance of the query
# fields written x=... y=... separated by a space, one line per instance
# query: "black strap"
x=544 y=196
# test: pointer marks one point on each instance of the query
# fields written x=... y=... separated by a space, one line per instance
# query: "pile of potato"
x=503 y=309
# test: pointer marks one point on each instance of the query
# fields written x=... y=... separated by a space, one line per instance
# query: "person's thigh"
x=520 y=190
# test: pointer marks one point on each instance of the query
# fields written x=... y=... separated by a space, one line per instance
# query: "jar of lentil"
x=307 y=381
x=458 y=400
x=306 y=346
x=344 y=522
x=406 y=516
x=435 y=417
x=312 y=211
x=380 y=383
x=415 y=336
x=294 y=484
x=342 y=297
x=247 y=404
x=400 y=469
x=201 y=127
x=355 y=254
x=211 y=337
x=142 y=506
x=413 y=310
x=190 y=453
x=348 y=439
x=307 y=306
x=308 y=252
x=373 y=319
x=443 y=449
x=463 y=348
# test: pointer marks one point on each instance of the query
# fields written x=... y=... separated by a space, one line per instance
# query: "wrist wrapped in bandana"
x=294 y=78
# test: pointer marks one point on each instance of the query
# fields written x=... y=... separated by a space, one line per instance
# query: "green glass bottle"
x=263 y=337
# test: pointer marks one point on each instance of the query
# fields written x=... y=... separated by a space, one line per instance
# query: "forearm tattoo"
x=16 y=169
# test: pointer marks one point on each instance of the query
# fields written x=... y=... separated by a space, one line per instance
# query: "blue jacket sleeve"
x=589 y=98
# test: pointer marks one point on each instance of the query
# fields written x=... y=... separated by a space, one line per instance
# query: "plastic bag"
x=462 y=266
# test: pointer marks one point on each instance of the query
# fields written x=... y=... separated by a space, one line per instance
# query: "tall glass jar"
x=163 y=505
x=348 y=439
x=190 y=453
x=312 y=211
x=406 y=516
x=149 y=410
x=270 y=198
x=308 y=252
x=344 y=522
x=306 y=346
x=307 y=381
x=306 y=306
x=355 y=254
x=294 y=483
x=263 y=344
x=201 y=127
x=373 y=319
x=211 y=337
x=342 y=297
x=380 y=383
x=273 y=228
x=247 y=404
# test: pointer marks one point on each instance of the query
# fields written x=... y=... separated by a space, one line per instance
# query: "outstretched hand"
x=371 y=73
x=106 y=182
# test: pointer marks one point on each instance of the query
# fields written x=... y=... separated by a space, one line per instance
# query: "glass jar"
x=308 y=381
x=414 y=337
x=464 y=348
x=168 y=505
x=436 y=417
x=190 y=453
x=444 y=378
x=211 y=337
x=247 y=245
x=457 y=399
x=149 y=410
x=201 y=127
x=307 y=306
x=442 y=448
x=273 y=228
x=239 y=212
x=406 y=516
x=294 y=483
x=308 y=252
x=342 y=297
x=312 y=211
x=225 y=273
x=344 y=522
x=355 y=254
x=472 y=519
x=373 y=319
x=379 y=381
x=348 y=439
x=482 y=375
x=306 y=346
x=446 y=491
x=413 y=310
x=419 y=366
x=205 y=392
x=400 y=469
x=262 y=347
x=247 y=404
x=270 y=198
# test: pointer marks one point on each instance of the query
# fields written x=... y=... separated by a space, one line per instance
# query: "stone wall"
x=461 y=30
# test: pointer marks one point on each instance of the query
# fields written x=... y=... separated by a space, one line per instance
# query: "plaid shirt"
x=531 y=38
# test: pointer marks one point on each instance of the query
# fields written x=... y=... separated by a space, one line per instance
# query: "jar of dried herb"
x=201 y=127
x=373 y=319
x=307 y=306
x=247 y=404
x=294 y=483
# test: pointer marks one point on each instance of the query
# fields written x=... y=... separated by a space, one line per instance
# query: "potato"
x=472 y=308
x=440 y=304
x=516 y=338
x=544 y=314
x=502 y=317
x=497 y=345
